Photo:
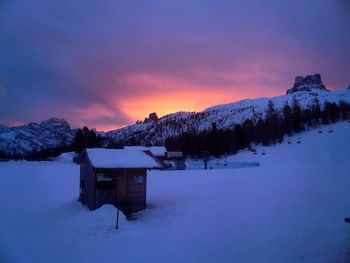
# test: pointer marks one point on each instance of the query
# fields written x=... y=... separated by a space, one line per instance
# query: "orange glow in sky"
x=168 y=94
x=173 y=102
x=165 y=94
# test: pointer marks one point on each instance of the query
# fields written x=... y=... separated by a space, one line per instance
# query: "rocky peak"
x=307 y=83
x=152 y=117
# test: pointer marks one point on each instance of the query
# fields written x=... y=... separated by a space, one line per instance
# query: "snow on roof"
x=155 y=150
x=136 y=148
x=118 y=158
x=158 y=150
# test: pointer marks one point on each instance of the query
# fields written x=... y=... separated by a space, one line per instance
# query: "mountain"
x=307 y=90
x=34 y=137
x=56 y=133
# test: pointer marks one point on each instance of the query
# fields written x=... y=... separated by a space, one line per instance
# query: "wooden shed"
x=115 y=176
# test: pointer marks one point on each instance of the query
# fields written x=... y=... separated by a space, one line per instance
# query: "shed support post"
x=117 y=225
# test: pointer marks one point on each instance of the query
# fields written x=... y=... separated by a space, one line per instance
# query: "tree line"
x=268 y=131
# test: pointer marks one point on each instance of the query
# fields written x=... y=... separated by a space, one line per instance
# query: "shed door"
x=105 y=189
x=121 y=191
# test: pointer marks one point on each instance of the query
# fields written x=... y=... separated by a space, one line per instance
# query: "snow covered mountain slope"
x=238 y=112
x=31 y=137
x=307 y=91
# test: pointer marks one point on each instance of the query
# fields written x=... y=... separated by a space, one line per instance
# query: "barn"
x=158 y=152
x=167 y=160
x=115 y=176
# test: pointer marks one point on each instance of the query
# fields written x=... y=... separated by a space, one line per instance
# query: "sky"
x=106 y=64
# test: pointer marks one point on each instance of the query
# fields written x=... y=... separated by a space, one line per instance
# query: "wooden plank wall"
x=87 y=179
x=125 y=193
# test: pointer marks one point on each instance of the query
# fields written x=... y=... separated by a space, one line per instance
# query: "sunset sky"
x=106 y=64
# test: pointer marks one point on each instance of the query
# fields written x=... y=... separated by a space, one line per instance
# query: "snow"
x=289 y=209
x=66 y=157
x=155 y=150
x=117 y=158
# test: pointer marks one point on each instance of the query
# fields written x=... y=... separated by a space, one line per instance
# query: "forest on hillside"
x=271 y=130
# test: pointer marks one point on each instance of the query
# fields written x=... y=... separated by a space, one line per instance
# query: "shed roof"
x=155 y=150
x=118 y=158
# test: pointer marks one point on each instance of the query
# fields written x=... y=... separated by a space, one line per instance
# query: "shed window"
x=104 y=178
x=138 y=179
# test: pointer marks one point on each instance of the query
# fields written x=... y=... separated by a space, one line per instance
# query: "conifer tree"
x=287 y=119
x=78 y=143
x=296 y=115
x=248 y=132
x=272 y=123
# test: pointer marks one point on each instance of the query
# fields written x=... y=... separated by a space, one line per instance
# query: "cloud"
x=106 y=65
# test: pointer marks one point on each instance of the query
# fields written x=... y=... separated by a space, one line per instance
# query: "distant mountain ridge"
x=48 y=134
x=55 y=133
x=307 y=91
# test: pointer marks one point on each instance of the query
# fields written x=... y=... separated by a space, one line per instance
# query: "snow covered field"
x=289 y=209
